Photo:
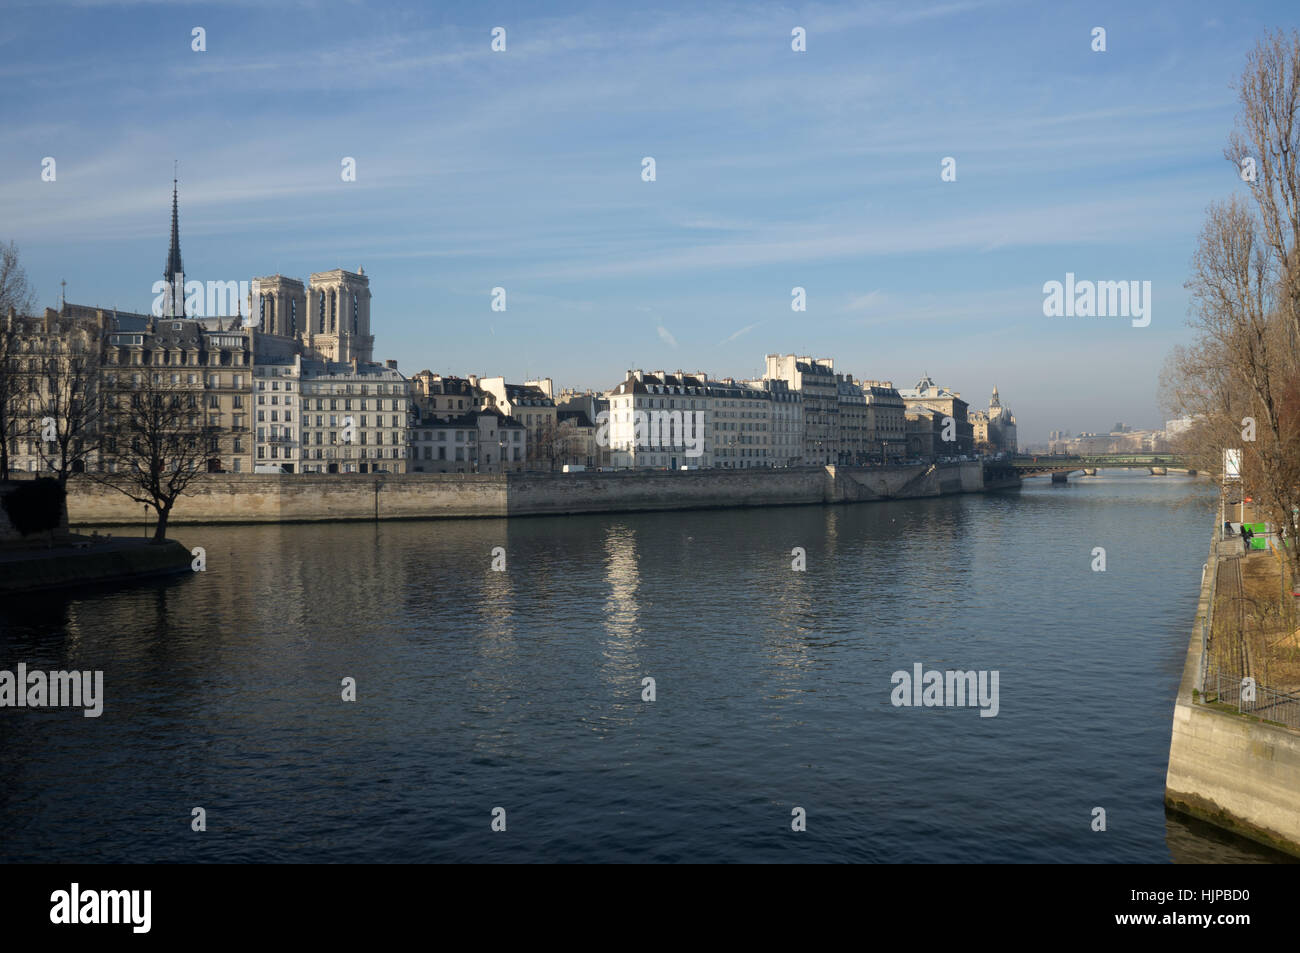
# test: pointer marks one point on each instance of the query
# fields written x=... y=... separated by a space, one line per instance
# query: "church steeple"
x=174 y=253
x=174 y=271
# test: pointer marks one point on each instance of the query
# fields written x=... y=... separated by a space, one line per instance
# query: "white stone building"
x=816 y=383
x=278 y=397
x=648 y=422
x=355 y=418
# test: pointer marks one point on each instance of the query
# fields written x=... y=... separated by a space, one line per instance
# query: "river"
x=523 y=689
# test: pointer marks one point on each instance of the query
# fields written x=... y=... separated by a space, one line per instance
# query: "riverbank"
x=290 y=498
x=1233 y=770
x=80 y=561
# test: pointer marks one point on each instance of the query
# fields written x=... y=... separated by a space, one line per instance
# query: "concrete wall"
x=256 y=498
x=1224 y=768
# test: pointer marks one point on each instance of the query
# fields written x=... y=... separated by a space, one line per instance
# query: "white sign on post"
x=1232 y=464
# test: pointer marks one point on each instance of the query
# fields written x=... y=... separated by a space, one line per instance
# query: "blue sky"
x=775 y=169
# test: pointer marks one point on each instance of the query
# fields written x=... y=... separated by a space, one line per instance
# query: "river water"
x=523 y=689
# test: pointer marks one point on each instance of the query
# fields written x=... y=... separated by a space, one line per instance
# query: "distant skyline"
x=774 y=169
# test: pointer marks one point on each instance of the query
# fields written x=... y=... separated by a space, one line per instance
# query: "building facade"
x=886 y=422
x=660 y=421
x=355 y=418
x=818 y=388
x=927 y=395
x=476 y=441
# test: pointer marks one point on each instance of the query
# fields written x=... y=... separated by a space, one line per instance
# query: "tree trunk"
x=160 y=531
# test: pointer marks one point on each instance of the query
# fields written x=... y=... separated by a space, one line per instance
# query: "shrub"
x=36 y=506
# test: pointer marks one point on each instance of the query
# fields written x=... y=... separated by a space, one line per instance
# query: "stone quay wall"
x=1235 y=772
x=273 y=498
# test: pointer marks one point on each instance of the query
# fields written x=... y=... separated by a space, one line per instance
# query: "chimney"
x=640 y=375
x=473 y=380
x=392 y=365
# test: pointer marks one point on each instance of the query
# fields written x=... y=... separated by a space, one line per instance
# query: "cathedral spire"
x=174 y=266
x=174 y=271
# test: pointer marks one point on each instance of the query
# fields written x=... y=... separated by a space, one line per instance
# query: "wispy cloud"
x=739 y=334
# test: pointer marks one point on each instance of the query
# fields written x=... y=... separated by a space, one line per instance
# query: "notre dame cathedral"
x=327 y=319
x=329 y=316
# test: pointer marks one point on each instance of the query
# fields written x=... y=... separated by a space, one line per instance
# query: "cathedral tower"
x=279 y=306
x=338 y=320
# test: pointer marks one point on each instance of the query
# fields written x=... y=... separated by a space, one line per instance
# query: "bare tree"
x=15 y=292
x=1240 y=379
x=16 y=302
x=552 y=444
x=1268 y=133
x=69 y=403
x=13 y=386
x=156 y=444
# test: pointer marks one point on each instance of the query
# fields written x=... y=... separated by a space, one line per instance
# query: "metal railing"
x=1228 y=688
x=1226 y=684
x=1211 y=567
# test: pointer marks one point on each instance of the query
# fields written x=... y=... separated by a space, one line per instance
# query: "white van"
x=269 y=468
x=573 y=468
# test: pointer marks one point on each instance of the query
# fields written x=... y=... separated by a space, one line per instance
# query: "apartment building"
x=818 y=387
x=355 y=417
x=476 y=441
x=278 y=401
x=661 y=421
x=886 y=422
x=532 y=403
x=855 y=436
